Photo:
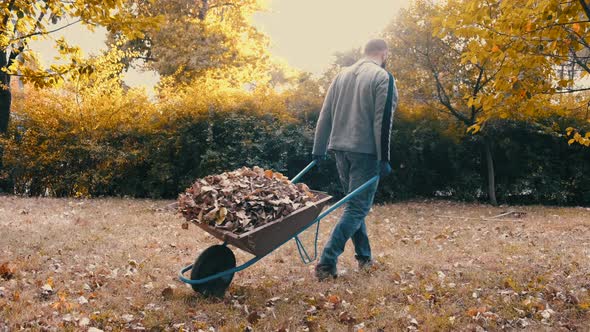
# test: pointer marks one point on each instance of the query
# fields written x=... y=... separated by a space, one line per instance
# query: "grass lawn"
x=111 y=264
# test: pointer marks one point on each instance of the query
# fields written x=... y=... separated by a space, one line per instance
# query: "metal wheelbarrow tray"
x=264 y=239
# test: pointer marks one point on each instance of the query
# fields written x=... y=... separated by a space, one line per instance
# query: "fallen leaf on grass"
x=534 y=304
x=6 y=271
x=253 y=317
x=128 y=318
x=472 y=312
x=46 y=291
x=334 y=299
x=573 y=299
x=546 y=314
x=168 y=293
x=62 y=304
x=271 y=302
x=345 y=317
x=84 y=321
x=311 y=323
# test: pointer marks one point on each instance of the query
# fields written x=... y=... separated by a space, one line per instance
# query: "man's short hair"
x=375 y=46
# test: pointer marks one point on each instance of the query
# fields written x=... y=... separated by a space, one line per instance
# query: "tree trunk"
x=586 y=8
x=5 y=101
x=5 y=95
x=491 y=173
x=204 y=9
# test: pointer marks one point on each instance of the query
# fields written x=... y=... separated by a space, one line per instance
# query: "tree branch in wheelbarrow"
x=242 y=200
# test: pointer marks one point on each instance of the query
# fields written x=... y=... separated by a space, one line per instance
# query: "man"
x=355 y=123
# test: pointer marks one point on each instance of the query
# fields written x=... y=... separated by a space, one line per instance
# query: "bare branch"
x=572 y=90
x=203 y=11
x=223 y=5
x=44 y=32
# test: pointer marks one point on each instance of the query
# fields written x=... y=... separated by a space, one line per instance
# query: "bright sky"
x=306 y=33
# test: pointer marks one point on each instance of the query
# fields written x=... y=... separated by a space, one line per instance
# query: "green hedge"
x=532 y=167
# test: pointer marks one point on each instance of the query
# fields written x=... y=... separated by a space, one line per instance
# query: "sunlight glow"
x=308 y=32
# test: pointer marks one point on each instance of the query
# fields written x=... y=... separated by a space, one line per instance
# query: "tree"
x=200 y=36
x=341 y=59
x=23 y=21
x=431 y=72
x=549 y=36
x=443 y=65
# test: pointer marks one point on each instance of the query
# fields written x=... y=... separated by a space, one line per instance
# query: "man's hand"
x=319 y=158
x=385 y=169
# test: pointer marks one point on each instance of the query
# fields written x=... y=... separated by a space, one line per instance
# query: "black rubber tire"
x=213 y=260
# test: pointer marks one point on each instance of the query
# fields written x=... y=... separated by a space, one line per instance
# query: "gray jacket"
x=358 y=111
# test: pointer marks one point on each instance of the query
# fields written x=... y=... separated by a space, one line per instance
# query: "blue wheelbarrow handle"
x=343 y=200
x=305 y=170
x=249 y=263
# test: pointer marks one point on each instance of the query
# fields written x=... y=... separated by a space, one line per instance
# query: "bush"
x=130 y=146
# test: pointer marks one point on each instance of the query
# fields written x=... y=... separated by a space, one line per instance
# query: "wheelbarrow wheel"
x=214 y=259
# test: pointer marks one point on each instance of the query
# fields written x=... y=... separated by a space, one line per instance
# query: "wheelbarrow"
x=214 y=268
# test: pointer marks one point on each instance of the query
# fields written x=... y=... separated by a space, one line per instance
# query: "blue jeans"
x=354 y=170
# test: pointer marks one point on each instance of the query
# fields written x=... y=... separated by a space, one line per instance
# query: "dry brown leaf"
x=334 y=299
x=472 y=312
x=168 y=293
x=253 y=317
x=7 y=271
x=345 y=317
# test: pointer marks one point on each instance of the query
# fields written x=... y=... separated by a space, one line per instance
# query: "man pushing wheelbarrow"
x=355 y=123
x=259 y=210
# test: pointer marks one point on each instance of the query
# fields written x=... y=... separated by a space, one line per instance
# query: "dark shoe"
x=324 y=272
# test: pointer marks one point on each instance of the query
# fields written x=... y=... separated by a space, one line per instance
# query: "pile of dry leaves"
x=242 y=200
